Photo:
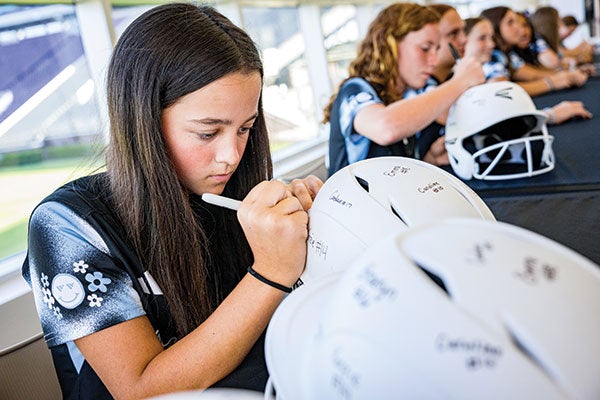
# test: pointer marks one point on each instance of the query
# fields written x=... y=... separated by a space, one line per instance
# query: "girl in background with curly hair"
x=370 y=115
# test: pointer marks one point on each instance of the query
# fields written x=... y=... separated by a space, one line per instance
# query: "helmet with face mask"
x=494 y=132
x=367 y=200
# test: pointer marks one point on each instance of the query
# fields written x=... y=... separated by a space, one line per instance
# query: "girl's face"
x=525 y=36
x=510 y=28
x=206 y=131
x=564 y=31
x=417 y=56
x=452 y=32
x=480 y=41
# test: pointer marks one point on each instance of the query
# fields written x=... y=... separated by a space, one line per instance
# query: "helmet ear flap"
x=462 y=163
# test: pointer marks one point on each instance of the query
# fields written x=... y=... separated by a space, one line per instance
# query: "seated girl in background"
x=480 y=45
x=525 y=53
x=544 y=22
x=508 y=32
x=551 y=54
x=430 y=140
x=368 y=116
x=574 y=37
x=567 y=25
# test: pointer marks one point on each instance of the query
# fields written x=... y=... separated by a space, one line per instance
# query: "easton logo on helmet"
x=504 y=93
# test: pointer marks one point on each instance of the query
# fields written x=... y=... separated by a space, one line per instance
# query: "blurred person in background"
x=480 y=45
x=430 y=140
x=574 y=38
x=508 y=33
x=369 y=115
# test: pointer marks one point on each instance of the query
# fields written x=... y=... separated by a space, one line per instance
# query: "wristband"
x=551 y=116
x=269 y=282
x=549 y=83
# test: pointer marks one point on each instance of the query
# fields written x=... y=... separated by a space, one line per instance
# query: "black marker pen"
x=454 y=52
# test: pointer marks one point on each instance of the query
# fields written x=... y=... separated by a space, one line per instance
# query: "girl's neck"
x=401 y=87
x=505 y=47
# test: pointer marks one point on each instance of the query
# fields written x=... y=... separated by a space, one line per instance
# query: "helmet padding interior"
x=514 y=160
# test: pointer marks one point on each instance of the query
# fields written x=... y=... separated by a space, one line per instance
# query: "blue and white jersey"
x=346 y=145
x=516 y=60
x=497 y=67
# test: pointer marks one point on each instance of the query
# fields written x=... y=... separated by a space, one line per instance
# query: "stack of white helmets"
x=413 y=290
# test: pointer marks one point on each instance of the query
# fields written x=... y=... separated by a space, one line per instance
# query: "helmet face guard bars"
x=546 y=162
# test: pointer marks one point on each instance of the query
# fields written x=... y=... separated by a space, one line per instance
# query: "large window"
x=288 y=97
x=49 y=118
x=341 y=36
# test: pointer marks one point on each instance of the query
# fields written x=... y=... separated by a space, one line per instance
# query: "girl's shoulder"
x=83 y=195
x=360 y=88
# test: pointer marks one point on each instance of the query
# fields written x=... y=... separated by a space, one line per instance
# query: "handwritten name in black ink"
x=534 y=271
x=344 y=379
x=335 y=197
x=372 y=289
x=435 y=187
x=319 y=247
x=477 y=352
x=398 y=169
x=478 y=253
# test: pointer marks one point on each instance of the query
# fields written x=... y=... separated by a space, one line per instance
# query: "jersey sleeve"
x=541 y=45
x=78 y=286
x=516 y=61
x=354 y=95
x=497 y=67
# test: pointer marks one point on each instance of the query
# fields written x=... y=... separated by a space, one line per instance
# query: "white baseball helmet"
x=494 y=132
x=367 y=200
x=461 y=309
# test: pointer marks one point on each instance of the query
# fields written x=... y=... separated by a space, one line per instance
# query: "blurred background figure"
x=574 y=39
x=480 y=45
x=551 y=53
x=371 y=114
x=508 y=33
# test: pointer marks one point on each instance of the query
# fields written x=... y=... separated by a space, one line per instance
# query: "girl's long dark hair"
x=529 y=54
x=495 y=15
x=545 y=22
x=196 y=253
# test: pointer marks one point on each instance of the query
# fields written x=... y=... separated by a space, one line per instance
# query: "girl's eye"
x=246 y=129
x=206 y=136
